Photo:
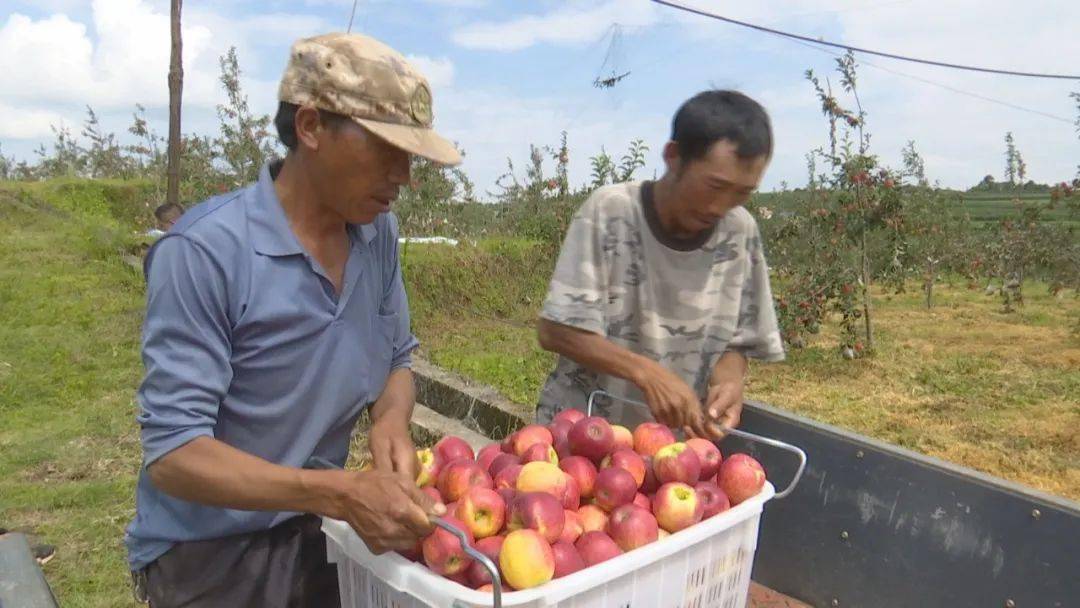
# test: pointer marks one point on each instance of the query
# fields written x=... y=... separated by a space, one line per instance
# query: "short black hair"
x=712 y=116
x=285 y=122
x=164 y=210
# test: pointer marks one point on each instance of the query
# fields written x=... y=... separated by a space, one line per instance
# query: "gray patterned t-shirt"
x=618 y=278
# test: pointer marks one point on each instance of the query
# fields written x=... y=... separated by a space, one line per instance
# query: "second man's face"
x=706 y=189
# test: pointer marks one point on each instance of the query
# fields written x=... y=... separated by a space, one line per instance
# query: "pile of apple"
x=552 y=500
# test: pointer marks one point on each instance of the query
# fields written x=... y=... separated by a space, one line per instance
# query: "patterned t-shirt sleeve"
x=578 y=289
x=757 y=335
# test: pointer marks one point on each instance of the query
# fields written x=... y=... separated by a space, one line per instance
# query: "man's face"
x=707 y=188
x=358 y=173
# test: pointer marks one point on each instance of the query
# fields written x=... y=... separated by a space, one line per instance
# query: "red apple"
x=569 y=415
x=502 y=461
x=443 y=552
x=507 y=444
x=713 y=498
x=562 y=448
x=624 y=439
x=508 y=495
x=490 y=547
x=650 y=437
x=651 y=483
x=537 y=511
x=571 y=499
x=596 y=547
x=629 y=460
x=631 y=526
x=483 y=511
x=567 y=559
x=583 y=471
x=540 y=452
x=593 y=518
x=542 y=477
x=529 y=436
x=614 y=487
x=708 y=454
x=508 y=476
x=526 y=559
x=642 y=501
x=592 y=438
x=676 y=506
x=572 y=529
x=677 y=462
x=740 y=477
x=450 y=448
x=560 y=430
x=458 y=476
x=488 y=454
x=461 y=578
x=429 y=468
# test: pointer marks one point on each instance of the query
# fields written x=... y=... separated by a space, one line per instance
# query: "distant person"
x=166 y=214
x=275 y=316
x=661 y=292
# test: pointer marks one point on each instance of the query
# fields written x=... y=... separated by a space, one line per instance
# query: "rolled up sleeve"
x=396 y=301
x=757 y=335
x=186 y=347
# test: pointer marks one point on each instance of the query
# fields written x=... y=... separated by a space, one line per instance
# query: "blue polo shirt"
x=246 y=341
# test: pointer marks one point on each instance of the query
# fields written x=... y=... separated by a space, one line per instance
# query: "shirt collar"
x=270 y=230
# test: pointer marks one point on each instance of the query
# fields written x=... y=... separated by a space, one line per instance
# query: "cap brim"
x=415 y=140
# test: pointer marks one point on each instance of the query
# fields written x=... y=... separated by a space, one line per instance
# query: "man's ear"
x=672 y=160
x=307 y=124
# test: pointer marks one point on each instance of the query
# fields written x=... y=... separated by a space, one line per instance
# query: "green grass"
x=68 y=370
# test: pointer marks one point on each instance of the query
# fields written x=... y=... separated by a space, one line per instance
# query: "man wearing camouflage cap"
x=276 y=314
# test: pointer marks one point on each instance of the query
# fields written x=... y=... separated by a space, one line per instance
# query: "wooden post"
x=176 y=88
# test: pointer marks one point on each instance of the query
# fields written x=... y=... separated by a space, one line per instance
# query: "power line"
x=947 y=87
x=942 y=64
x=351 y=16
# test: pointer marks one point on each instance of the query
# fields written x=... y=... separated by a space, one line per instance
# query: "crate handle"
x=776 y=443
x=318 y=462
x=496 y=580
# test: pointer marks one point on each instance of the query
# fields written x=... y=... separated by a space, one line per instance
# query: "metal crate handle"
x=776 y=443
x=317 y=462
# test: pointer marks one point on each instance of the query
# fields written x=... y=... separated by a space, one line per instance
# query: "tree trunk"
x=866 y=291
x=176 y=88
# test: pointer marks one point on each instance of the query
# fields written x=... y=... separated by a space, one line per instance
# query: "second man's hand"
x=670 y=399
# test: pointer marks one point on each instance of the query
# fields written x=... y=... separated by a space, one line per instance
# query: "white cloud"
x=439 y=71
x=27 y=123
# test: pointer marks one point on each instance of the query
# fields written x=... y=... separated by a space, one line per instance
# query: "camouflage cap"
x=362 y=78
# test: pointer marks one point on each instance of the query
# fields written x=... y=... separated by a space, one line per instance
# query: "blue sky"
x=507 y=74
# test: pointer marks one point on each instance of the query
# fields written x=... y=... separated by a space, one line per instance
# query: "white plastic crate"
x=704 y=566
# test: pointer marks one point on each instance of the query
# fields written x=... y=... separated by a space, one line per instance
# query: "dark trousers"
x=283 y=567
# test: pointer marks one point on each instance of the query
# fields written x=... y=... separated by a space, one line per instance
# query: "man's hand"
x=392 y=448
x=387 y=511
x=671 y=400
x=724 y=403
x=389 y=439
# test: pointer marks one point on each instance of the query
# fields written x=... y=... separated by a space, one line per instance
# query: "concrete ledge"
x=477 y=406
x=428 y=426
x=22 y=584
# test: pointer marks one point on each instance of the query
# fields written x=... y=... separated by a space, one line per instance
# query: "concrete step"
x=428 y=426
x=479 y=406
